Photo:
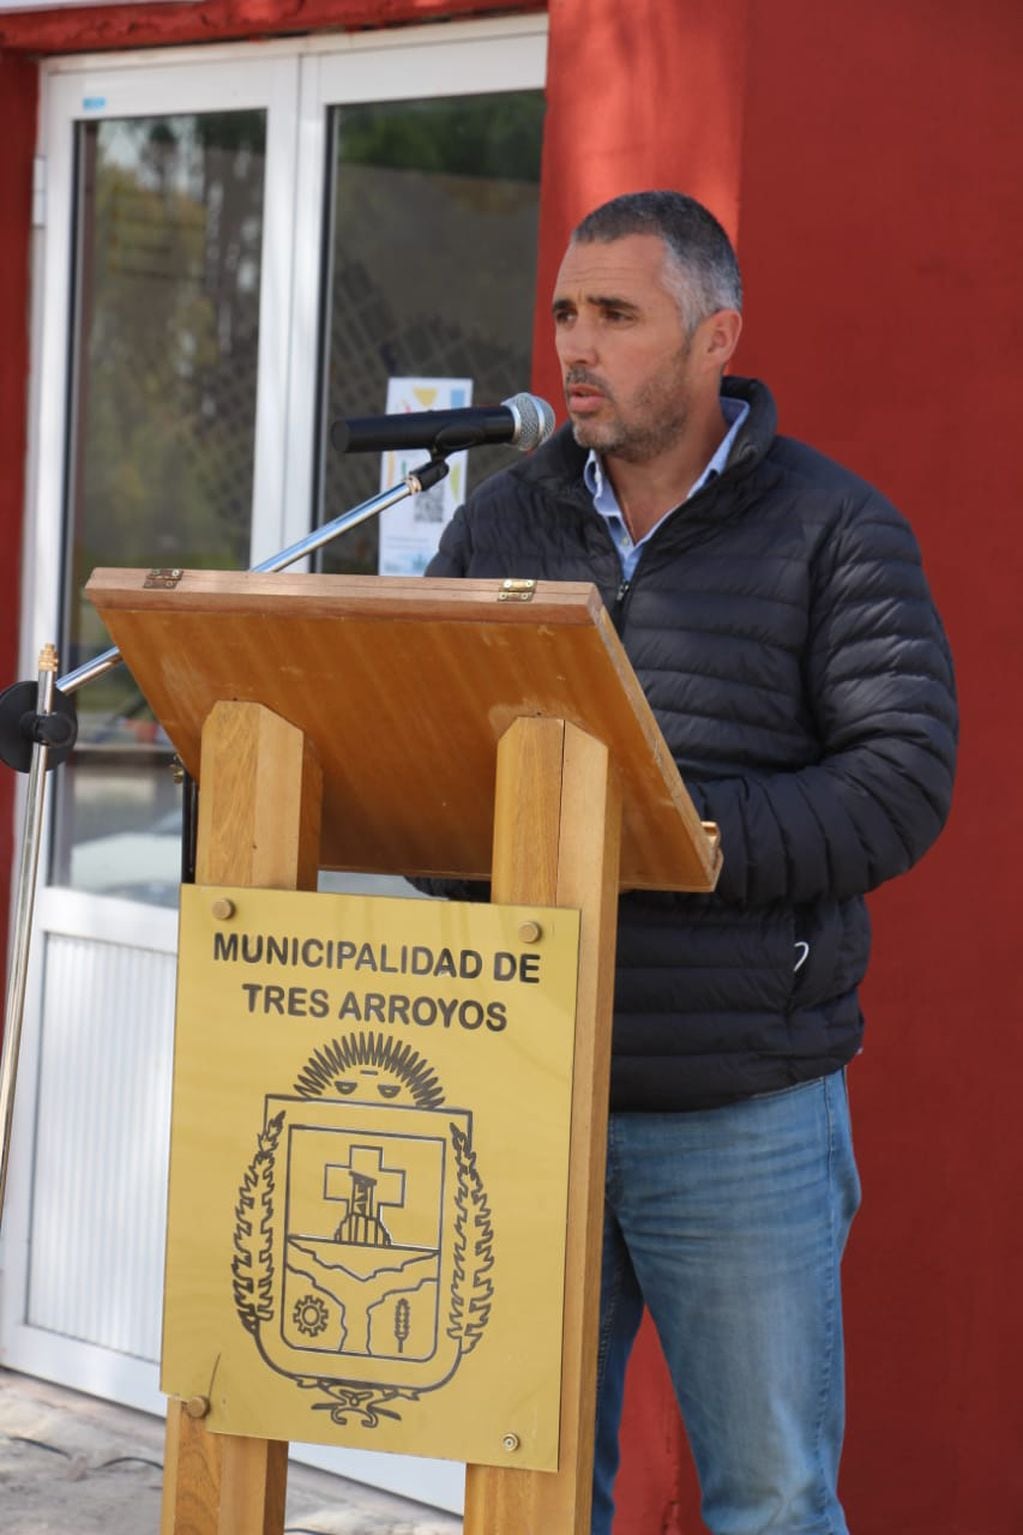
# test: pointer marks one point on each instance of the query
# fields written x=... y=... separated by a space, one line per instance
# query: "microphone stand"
x=38 y=729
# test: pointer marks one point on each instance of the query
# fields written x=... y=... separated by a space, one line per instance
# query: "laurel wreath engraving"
x=472 y=1288
x=252 y=1265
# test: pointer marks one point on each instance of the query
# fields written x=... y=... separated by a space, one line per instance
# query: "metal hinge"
x=516 y=591
x=164 y=579
x=39 y=192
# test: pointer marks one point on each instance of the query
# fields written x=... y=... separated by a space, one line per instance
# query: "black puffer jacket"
x=781 y=627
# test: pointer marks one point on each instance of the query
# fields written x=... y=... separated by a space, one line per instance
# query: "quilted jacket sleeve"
x=879 y=680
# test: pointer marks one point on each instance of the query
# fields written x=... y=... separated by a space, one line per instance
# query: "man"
x=775 y=612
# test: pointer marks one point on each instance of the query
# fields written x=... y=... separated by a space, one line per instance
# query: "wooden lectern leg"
x=253 y=1486
x=220 y=1484
x=259 y=824
x=260 y=798
x=557 y=832
x=191 y=1475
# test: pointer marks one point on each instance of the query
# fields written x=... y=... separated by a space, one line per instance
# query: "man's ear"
x=723 y=329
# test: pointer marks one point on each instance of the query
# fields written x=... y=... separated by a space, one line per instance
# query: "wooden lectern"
x=480 y=729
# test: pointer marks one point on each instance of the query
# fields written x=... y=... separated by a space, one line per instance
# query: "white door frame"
x=295 y=81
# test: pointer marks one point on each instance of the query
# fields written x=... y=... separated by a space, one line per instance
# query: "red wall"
x=18 y=85
x=882 y=230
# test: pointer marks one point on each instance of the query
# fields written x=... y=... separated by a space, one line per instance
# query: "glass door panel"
x=168 y=241
x=432 y=270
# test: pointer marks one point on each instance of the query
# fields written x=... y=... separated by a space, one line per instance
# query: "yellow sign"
x=369 y=1171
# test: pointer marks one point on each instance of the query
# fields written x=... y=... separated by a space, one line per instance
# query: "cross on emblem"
x=365 y=1186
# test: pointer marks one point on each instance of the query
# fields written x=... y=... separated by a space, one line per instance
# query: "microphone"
x=525 y=421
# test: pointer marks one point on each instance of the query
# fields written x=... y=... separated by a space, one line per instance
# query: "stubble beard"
x=658 y=415
x=633 y=443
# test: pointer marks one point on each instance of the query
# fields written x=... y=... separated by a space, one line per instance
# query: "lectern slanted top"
x=406 y=686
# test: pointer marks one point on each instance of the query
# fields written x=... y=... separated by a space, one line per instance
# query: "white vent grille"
x=102 y=1126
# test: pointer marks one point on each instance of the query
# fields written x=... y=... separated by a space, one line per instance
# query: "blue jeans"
x=730 y=1223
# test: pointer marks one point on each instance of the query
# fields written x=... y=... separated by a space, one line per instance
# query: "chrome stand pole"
x=14 y=1006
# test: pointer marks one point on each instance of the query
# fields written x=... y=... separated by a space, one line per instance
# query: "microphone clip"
x=430 y=473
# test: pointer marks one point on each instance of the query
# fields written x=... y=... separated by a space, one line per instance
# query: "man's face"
x=622 y=347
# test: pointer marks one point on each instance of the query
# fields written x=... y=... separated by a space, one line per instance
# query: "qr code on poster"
x=428 y=505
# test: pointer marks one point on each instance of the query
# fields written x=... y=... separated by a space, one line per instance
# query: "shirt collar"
x=599 y=485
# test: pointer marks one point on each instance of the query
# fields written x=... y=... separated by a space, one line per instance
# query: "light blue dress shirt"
x=606 y=502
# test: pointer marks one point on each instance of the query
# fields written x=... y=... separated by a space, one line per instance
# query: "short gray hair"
x=701 y=268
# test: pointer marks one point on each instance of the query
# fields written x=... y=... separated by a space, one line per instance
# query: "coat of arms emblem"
x=363 y=1243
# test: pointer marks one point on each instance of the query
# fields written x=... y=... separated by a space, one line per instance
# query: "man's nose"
x=577 y=344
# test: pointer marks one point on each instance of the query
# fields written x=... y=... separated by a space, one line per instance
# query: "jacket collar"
x=761 y=425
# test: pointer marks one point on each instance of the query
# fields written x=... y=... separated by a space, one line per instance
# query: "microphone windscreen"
x=535 y=420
